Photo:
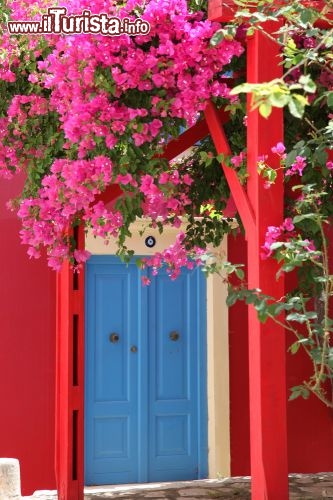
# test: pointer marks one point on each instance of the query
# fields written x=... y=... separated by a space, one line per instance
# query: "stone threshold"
x=301 y=486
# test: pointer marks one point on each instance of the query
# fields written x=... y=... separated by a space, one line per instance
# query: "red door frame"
x=267 y=377
x=69 y=408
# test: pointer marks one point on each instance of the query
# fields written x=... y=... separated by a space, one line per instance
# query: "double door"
x=145 y=399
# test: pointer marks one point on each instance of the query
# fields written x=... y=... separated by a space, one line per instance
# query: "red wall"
x=239 y=379
x=310 y=423
x=27 y=354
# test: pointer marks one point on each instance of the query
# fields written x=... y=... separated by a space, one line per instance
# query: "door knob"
x=174 y=336
x=114 y=338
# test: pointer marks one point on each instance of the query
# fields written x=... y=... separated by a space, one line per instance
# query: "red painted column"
x=69 y=380
x=267 y=350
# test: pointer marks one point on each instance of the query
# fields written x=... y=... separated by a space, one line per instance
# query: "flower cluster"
x=273 y=234
x=97 y=110
x=159 y=202
x=297 y=167
x=278 y=237
x=9 y=59
x=174 y=257
x=69 y=190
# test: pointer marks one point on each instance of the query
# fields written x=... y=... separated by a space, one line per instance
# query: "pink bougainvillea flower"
x=297 y=167
x=279 y=149
x=288 y=224
x=238 y=160
x=145 y=280
x=272 y=235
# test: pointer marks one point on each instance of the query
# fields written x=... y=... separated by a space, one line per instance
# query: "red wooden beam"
x=267 y=349
x=111 y=193
x=221 y=10
x=238 y=192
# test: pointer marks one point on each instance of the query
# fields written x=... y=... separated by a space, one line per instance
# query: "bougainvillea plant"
x=84 y=111
x=81 y=112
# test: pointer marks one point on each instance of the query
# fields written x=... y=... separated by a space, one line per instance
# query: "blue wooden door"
x=145 y=402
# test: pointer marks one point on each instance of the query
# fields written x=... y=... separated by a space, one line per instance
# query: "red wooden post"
x=69 y=380
x=267 y=377
x=267 y=350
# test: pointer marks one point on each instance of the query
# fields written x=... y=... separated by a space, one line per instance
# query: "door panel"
x=145 y=407
x=174 y=398
x=168 y=315
x=111 y=385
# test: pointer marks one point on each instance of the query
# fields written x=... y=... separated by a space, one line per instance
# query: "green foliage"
x=305 y=94
x=305 y=311
x=277 y=93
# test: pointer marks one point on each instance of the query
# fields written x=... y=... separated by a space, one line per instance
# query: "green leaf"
x=231 y=299
x=297 y=391
x=217 y=38
x=320 y=156
x=306 y=16
x=287 y=268
x=299 y=218
x=270 y=174
x=139 y=263
x=320 y=279
x=291 y=157
x=308 y=84
x=243 y=88
x=239 y=273
x=301 y=318
x=330 y=99
x=279 y=99
x=294 y=395
x=276 y=245
x=294 y=347
x=311 y=315
x=265 y=109
x=276 y=309
x=297 y=105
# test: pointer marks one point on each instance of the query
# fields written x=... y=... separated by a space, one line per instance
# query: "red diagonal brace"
x=190 y=137
x=238 y=192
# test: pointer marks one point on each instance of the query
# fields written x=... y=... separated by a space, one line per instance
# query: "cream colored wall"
x=218 y=379
x=217 y=345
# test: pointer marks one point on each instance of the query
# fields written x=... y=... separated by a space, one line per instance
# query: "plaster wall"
x=27 y=353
